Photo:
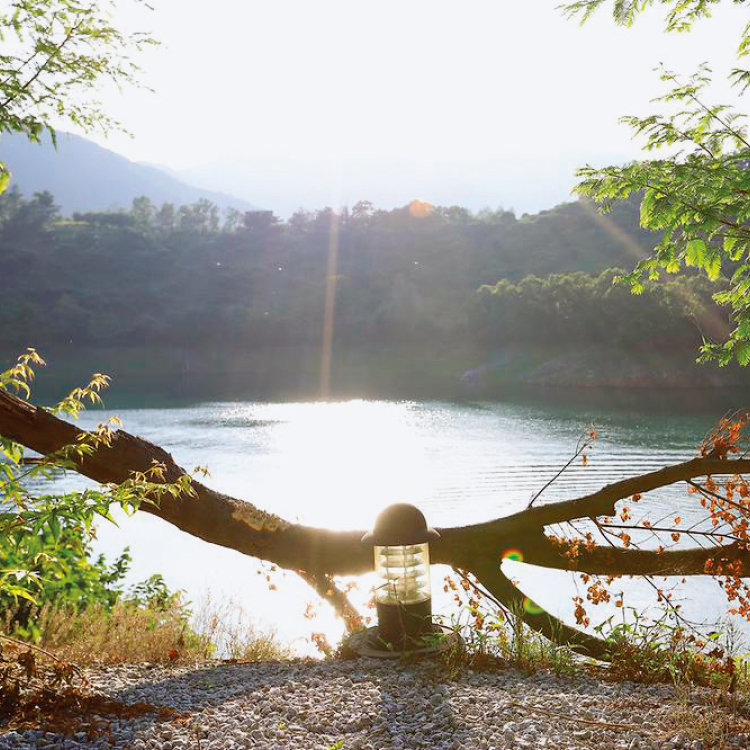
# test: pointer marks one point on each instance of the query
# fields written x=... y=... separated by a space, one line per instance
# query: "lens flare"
x=420 y=209
x=531 y=607
x=512 y=554
x=330 y=306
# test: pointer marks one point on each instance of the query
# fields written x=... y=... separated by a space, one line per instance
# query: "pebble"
x=369 y=704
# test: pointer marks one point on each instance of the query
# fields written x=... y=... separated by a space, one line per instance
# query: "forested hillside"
x=418 y=277
x=189 y=274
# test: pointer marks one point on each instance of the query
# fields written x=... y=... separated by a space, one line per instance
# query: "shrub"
x=63 y=573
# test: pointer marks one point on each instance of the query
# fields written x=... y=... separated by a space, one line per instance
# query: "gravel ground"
x=373 y=705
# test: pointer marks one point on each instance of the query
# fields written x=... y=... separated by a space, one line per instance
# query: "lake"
x=338 y=464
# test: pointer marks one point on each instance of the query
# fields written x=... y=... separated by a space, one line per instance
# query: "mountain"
x=86 y=177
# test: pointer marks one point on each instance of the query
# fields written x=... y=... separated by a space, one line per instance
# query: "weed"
x=713 y=718
x=498 y=638
x=149 y=631
x=225 y=630
x=650 y=652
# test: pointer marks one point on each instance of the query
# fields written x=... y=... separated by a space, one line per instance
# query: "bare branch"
x=580 y=448
x=321 y=553
x=501 y=587
x=327 y=590
x=602 y=502
x=211 y=516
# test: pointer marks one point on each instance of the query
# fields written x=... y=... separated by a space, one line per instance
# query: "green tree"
x=166 y=218
x=199 y=217
x=63 y=565
x=31 y=219
x=44 y=548
x=699 y=197
x=56 y=56
x=142 y=211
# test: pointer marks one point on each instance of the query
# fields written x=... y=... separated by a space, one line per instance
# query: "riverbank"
x=371 y=705
x=451 y=372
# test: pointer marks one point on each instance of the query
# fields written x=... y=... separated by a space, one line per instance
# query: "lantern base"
x=369 y=643
x=405 y=626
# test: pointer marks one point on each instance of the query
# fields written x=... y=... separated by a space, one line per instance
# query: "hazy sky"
x=466 y=79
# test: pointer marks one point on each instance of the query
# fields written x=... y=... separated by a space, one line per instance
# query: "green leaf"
x=712 y=264
x=4 y=177
x=742 y=352
x=729 y=243
x=695 y=253
x=54 y=527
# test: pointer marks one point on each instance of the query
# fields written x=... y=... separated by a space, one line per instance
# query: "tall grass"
x=229 y=631
x=130 y=633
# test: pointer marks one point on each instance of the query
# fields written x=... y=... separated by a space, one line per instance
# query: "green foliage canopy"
x=699 y=195
x=578 y=309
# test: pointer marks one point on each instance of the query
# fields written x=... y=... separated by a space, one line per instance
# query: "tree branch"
x=501 y=587
x=602 y=560
x=210 y=515
x=603 y=501
x=326 y=588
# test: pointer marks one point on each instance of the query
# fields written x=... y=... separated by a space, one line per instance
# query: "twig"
x=668 y=529
x=481 y=592
x=669 y=607
x=566 y=717
x=708 y=493
x=579 y=451
x=41 y=650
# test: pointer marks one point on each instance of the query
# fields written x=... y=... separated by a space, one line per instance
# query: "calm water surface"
x=337 y=464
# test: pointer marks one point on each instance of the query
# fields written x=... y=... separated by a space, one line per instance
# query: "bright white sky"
x=465 y=79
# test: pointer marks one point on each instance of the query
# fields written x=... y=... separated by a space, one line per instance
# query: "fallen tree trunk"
x=321 y=553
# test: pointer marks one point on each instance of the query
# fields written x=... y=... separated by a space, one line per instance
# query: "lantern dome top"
x=400 y=524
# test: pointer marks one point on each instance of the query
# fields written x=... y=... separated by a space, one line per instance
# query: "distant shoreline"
x=451 y=373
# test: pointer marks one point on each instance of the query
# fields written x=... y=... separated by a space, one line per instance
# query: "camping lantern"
x=402 y=564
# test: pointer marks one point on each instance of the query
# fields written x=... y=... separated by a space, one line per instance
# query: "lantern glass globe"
x=403 y=573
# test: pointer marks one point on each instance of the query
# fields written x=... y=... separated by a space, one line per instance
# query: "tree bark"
x=320 y=553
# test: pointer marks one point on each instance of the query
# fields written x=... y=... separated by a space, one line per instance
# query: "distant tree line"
x=580 y=308
x=192 y=276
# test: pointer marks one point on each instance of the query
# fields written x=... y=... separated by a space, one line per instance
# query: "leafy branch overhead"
x=26 y=516
x=56 y=56
x=680 y=14
x=698 y=196
x=680 y=17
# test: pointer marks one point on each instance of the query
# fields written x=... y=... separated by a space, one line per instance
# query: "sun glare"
x=419 y=209
x=347 y=459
